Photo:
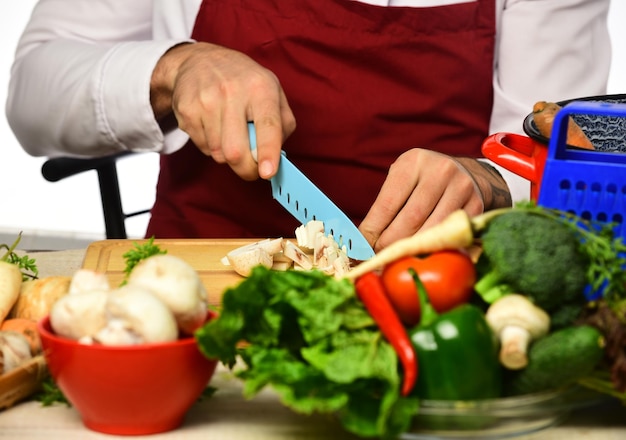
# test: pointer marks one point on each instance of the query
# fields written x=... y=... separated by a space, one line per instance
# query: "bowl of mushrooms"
x=126 y=358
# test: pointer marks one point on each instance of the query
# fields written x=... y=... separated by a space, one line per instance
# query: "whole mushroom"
x=517 y=322
x=177 y=284
x=136 y=316
x=80 y=316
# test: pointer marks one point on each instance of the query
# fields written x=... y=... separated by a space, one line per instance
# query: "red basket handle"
x=518 y=154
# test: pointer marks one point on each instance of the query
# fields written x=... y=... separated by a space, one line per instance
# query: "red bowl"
x=130 y=390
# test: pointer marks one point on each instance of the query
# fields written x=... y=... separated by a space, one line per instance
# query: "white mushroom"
x=306 y=235
x=243 y=259
x=79 y=316
x=517 y=322
x=299 y=257
x=85 y=280
x=313 y=250
x=136 y=316
x=320 y=250
x=177 y=284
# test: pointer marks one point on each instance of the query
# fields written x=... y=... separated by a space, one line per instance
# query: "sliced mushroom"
x=313 y=250
x=306 y=235
x=243 y=259
x=299 y=257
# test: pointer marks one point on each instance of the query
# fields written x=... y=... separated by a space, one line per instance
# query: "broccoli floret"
x=534 y=255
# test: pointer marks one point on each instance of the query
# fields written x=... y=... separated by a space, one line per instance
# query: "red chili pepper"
x=371 y=292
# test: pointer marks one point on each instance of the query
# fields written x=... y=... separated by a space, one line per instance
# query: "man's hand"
x=423 y=187
x=213 y=92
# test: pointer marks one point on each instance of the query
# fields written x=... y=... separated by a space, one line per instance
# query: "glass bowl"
x=498 y=418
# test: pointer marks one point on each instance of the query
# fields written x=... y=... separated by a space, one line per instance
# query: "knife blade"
x=305 y=201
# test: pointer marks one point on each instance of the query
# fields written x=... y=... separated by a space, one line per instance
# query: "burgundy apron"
x=365 y=83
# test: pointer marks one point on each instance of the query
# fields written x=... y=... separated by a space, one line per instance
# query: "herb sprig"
x=50 y=394
x=27 y=265
x=138 y=253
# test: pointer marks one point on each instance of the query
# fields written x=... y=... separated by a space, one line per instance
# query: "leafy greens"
x=308 y=336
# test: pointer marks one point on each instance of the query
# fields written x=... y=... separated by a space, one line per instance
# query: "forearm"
x=163 y=79
x=492 y=186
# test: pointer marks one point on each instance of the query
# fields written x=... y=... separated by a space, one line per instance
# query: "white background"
x=71 y=208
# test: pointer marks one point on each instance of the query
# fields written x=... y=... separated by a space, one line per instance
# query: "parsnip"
x=458 y=230
x=10 y=284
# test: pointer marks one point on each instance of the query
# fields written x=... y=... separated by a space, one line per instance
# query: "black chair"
x=59 y=168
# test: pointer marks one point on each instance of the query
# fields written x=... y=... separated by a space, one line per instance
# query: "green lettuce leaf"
x=308 y=336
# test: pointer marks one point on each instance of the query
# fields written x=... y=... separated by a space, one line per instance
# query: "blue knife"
x=305 y=201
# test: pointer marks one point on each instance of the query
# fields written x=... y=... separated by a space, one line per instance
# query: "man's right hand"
x=213 y=92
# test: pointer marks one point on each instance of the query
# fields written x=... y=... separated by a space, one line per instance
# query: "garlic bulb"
x=14 y=350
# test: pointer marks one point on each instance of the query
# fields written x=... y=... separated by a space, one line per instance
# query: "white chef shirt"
x=82 y=64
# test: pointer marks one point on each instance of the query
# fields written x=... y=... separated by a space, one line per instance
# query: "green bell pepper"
x=457 y=353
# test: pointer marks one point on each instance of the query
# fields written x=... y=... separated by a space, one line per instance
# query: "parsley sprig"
x=27 y=265
x=138 y=253
x=51 y=394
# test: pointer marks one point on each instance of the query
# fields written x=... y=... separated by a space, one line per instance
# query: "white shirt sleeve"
x=80 y=80
x=546 y=50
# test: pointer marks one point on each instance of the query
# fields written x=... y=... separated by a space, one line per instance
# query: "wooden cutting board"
x=204 y=255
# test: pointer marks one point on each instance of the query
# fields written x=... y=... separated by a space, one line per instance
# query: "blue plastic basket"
x=587 y=183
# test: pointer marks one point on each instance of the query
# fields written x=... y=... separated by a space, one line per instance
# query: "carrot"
x=10 y=284
x=26 y=327
x=456 y=231
x=543 y=116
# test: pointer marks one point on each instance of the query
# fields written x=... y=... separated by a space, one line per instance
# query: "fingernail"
x=266 y=169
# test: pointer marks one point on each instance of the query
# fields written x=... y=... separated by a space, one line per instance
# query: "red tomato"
x=448 y=276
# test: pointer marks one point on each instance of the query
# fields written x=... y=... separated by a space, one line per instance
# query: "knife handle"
x=252 y=137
